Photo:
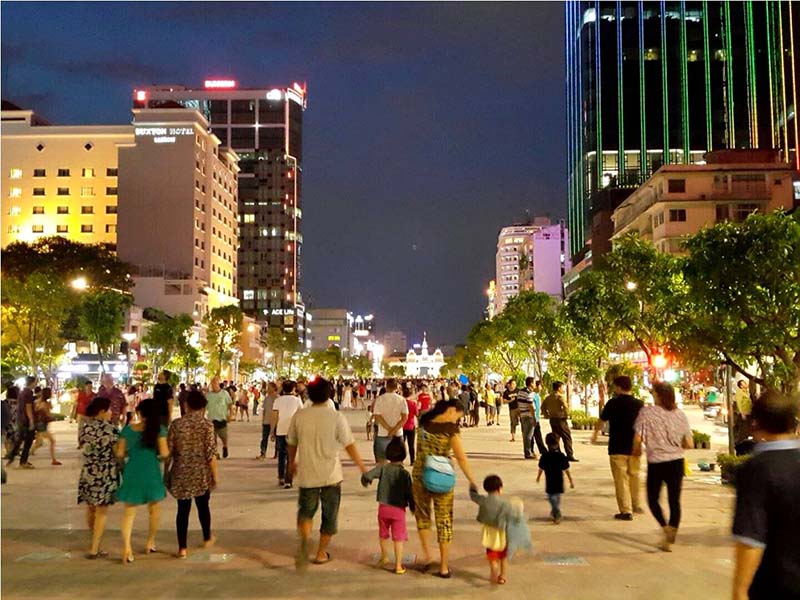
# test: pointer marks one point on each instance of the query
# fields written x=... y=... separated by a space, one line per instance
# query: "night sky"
x=429 y=126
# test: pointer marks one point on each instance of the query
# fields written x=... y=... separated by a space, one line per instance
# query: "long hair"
x=439 y=409
x=151 y=414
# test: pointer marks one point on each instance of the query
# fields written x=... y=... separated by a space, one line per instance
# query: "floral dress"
x=192 y=446
x=99 y=478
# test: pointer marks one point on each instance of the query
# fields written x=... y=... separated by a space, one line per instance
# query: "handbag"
x=438 y=475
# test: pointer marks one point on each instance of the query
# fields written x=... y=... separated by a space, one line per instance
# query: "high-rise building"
x=264 y=127
x=178 y=213
x=530 y=256
x=59 y=179
x=661 y=83
x=332 y=327
x=394 y=342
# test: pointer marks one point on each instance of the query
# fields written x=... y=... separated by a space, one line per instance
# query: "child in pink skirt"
x=394 y=495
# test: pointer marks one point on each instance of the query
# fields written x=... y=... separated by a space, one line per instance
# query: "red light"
x=659 y=361
x=141 y=95
x=219 y=84
x=299 y=88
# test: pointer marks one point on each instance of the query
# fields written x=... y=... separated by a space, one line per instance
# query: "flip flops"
x=327 y=558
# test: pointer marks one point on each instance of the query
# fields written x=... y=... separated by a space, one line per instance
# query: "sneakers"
x=624 y=517
x=287 y=486
x=26 y=465
x=572 y=459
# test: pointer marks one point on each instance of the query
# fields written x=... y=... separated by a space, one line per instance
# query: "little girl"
x=495 y=513
x=394 y=494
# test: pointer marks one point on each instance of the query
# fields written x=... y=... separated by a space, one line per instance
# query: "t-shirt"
x=266 y=408
x=319 y=434
x=662 y=432
x=391 y=407
x=413 y=411
x=511 y=399
x=554 y=463
x=218 y=405
x=84 y=399
x=621 y=412
x=24 y=399
x=424 y=401
x=525 y=403
x=767 y=489
x=286 y=407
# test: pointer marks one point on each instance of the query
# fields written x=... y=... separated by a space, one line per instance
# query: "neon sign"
x=219 y=84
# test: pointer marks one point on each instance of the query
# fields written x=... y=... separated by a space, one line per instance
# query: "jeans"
x=671 y=473
x=409 y=435
x=555 y=505
x=203 y=513
x=283 y=459
x=528 y=423
x=264 y=439
x=379 y=447
x=25 y=437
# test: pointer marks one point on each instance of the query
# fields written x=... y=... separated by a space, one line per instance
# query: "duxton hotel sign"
x=163 y=135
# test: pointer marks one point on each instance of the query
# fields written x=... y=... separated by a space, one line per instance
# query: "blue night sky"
x=429 y=125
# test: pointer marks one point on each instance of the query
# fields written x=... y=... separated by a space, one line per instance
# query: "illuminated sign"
x=141 y=95
x=334 y=338
x=163 y=135
x=275 y=95
x=219 y=84
x=282 y=311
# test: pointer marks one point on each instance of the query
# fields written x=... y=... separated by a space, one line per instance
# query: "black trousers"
x=24 y=439
x=409 y=435
x=671 y=473
x=203 y=513
x=537 y=436
x=561 y=428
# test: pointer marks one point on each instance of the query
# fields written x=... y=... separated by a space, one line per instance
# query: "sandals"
x=327 y=558
x=447 y=575
x=400 y=571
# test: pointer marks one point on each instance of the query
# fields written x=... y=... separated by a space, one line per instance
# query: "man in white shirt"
x=282 y=412
x=390 y=413
x=316 y=435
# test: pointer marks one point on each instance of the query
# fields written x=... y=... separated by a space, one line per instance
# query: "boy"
x=494 y=513
x=554 y=464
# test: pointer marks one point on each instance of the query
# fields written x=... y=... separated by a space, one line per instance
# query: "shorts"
x=379 y=446
x=496 y=554
x=40 y=427
x=309 y=499
x=392 y=519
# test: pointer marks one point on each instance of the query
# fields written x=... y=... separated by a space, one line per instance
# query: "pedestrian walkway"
x=589 y=555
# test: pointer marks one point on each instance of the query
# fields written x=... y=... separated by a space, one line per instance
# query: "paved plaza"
x=589 y=555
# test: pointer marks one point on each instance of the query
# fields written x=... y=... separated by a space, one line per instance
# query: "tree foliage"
x=168 y=342
x=223 y=332
x=361 y=365
x=102 y=318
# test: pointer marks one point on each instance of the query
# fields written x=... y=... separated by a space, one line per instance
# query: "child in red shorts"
x=494 y=513
x=394 y=495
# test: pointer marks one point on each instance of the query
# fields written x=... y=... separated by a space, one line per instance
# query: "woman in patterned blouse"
x=193 y=469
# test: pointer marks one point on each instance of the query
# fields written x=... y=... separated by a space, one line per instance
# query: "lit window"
x=87 y=192
x=248 y=218
x=37 y=228
x=62 y=229
x=111 y=209
x=15 y=192
x=63 y=191
x=38 y=210
x=14 y=229
x=87 y=210
x=87 y=173
x=86 y=229
x=62 y=210
x=16 y=174
x=111 y=228
x=14 y=211
x=248 y=294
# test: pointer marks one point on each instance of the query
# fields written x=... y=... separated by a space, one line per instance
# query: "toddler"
x=494 y=513
x=554 y=464
x=394 y=494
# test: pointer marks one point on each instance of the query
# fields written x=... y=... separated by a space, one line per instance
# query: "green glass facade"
x=654 y=83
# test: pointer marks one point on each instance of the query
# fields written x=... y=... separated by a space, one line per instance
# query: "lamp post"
x=128 y=336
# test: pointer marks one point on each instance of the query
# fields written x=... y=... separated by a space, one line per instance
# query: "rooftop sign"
x=219 y=84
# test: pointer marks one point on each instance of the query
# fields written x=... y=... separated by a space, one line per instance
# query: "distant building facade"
x=332 y=327
x=424 y=364
x=395 y=341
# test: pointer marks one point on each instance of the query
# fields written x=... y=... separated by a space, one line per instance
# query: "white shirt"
x=329 y=403
x=391 y=407
x=319 y=434
x=286 y=407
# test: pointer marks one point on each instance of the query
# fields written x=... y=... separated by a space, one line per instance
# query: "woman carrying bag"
x=433 y=478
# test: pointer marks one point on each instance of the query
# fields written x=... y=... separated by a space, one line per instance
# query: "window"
x=37 y=228
x=39 y=173
x=86 y=229
x=63 y=172
x=87 y=210
x=677 y=215
x=248 y=218
x=63 y=191
x=38 y=210
x=14 y=211
x=111 y=228
x=87 y=192
x=721 y=213
x=676 y=186
x=111 y=191
x=14 y=229
x=111 y=209
x=742 y=211
x=112 y=172
x=62 y=229
x=87 y=172
x=62 y=210
x=15 y=174
x=15 y=192
x=38 y=191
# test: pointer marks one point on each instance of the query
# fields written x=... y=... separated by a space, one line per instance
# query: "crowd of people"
x=134 y=452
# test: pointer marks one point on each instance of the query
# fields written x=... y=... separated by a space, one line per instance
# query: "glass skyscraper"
x=655 y=83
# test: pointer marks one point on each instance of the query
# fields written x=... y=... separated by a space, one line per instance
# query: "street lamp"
x=630 y=286
x=79 y=283
x=128 y=336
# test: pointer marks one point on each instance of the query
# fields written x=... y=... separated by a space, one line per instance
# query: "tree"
x=280 y=343
x=33 y=310
x=744 y=282
x=223 y=331
x=532 y=318
x=167 y=340
x=493 y=344
x=393 y=370
x=102 y=318
x=68 y=259
x=362 y=366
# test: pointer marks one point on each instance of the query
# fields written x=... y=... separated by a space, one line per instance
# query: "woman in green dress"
x=144 y=445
